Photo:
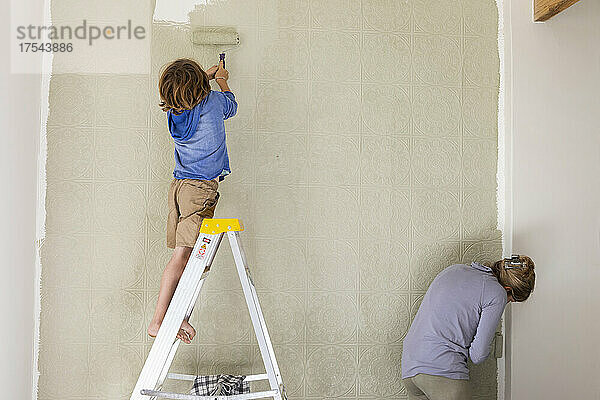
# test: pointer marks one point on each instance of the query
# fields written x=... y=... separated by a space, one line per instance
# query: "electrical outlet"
x=498 y=345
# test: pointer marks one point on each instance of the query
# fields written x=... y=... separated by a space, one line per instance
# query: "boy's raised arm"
x=221 y=77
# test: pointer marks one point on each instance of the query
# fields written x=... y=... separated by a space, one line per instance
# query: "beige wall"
x=364 y=162
x=556 y=200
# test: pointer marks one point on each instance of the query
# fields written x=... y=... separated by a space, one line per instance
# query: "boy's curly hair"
x=183 y=85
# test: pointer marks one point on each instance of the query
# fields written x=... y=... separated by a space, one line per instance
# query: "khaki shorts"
x=432 y=387
x=190 y=201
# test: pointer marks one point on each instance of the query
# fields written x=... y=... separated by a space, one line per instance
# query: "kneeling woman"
x=458 y=319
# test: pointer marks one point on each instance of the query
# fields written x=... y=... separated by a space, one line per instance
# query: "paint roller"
x=224 y=38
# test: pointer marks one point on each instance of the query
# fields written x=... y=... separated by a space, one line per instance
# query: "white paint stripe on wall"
x=40 y=216
x=175 y=11
x=503 y=193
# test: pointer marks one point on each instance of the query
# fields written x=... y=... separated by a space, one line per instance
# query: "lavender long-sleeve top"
x=457 y=319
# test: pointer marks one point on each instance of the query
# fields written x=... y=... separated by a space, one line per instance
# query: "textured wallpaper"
x=364 y=162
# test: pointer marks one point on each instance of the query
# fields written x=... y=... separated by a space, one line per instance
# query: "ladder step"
x=185 y=377
x=181 y=396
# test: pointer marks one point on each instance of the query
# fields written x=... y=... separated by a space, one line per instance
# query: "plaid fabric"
x=219 y=385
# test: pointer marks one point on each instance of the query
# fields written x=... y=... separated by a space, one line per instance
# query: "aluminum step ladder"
x=162 y=353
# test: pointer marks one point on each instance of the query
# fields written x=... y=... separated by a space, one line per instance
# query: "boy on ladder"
x=196 y=116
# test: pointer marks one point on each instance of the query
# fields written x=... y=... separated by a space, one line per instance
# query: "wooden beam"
x=546 y=9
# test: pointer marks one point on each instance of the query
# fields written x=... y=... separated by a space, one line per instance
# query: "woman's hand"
x=211 y=72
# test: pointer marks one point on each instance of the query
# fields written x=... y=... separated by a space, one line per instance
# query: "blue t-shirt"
x=199 y=135
x=457 y=319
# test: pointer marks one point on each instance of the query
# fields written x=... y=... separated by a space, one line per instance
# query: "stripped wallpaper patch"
x=364 y=161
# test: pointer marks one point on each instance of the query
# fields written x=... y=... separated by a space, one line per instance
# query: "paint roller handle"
x=222 y=59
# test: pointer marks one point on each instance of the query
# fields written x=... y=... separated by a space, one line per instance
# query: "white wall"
x=20 y=125
x=554 y=88
x=19 y=146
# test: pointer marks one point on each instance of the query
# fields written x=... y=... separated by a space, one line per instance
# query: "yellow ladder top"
x=212 y=226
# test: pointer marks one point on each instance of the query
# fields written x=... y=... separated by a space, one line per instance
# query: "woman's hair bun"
x=518 y=274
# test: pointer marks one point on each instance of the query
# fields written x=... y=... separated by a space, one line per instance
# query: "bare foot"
x=186 y=332
x=153 y=328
